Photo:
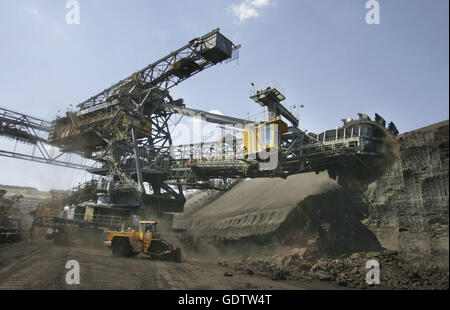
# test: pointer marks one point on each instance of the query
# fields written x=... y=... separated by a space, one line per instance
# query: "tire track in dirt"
x=165 y=280
x=101 y=271
x=31 y=270
x=35 y=266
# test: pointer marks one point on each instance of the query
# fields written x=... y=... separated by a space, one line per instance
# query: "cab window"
x=268 y=135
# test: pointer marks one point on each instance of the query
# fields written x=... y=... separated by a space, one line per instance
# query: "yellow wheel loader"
x=129 y=243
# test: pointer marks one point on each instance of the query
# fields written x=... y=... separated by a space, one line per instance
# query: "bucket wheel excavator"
x=125 y=131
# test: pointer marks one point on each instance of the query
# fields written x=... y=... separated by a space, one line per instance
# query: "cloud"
x=36 y=15
x=248 y=9
x=51 y=26
x=216 y=112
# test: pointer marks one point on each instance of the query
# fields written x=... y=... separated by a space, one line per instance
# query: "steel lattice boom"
x=126 y=127
x=33 y=131
x=197 y=55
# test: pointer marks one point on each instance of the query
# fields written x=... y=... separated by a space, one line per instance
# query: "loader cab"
x=147 y=227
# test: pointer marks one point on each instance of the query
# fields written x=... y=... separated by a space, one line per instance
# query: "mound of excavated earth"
x=302 y=209
x=254 y=207
x=345 y=270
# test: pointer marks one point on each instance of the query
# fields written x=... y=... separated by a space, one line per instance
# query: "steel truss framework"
x=33 y=131
x=163 y=74
x=112 y=128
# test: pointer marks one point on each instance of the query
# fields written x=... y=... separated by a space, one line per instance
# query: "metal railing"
x=107 y=220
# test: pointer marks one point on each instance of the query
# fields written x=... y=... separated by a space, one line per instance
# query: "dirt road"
x=29 y=265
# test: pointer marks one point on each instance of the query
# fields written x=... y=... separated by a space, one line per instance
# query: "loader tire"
x=121 y=247
x=177 y=255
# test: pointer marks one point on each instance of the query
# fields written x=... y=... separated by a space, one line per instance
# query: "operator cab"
x=147 y=227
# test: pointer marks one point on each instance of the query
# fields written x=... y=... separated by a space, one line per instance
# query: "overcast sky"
x=322 y=53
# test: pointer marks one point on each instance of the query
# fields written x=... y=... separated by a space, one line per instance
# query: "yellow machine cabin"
x=263 y=136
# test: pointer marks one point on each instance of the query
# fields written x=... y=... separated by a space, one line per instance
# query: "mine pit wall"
x=31 y=198
x=408 y=204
